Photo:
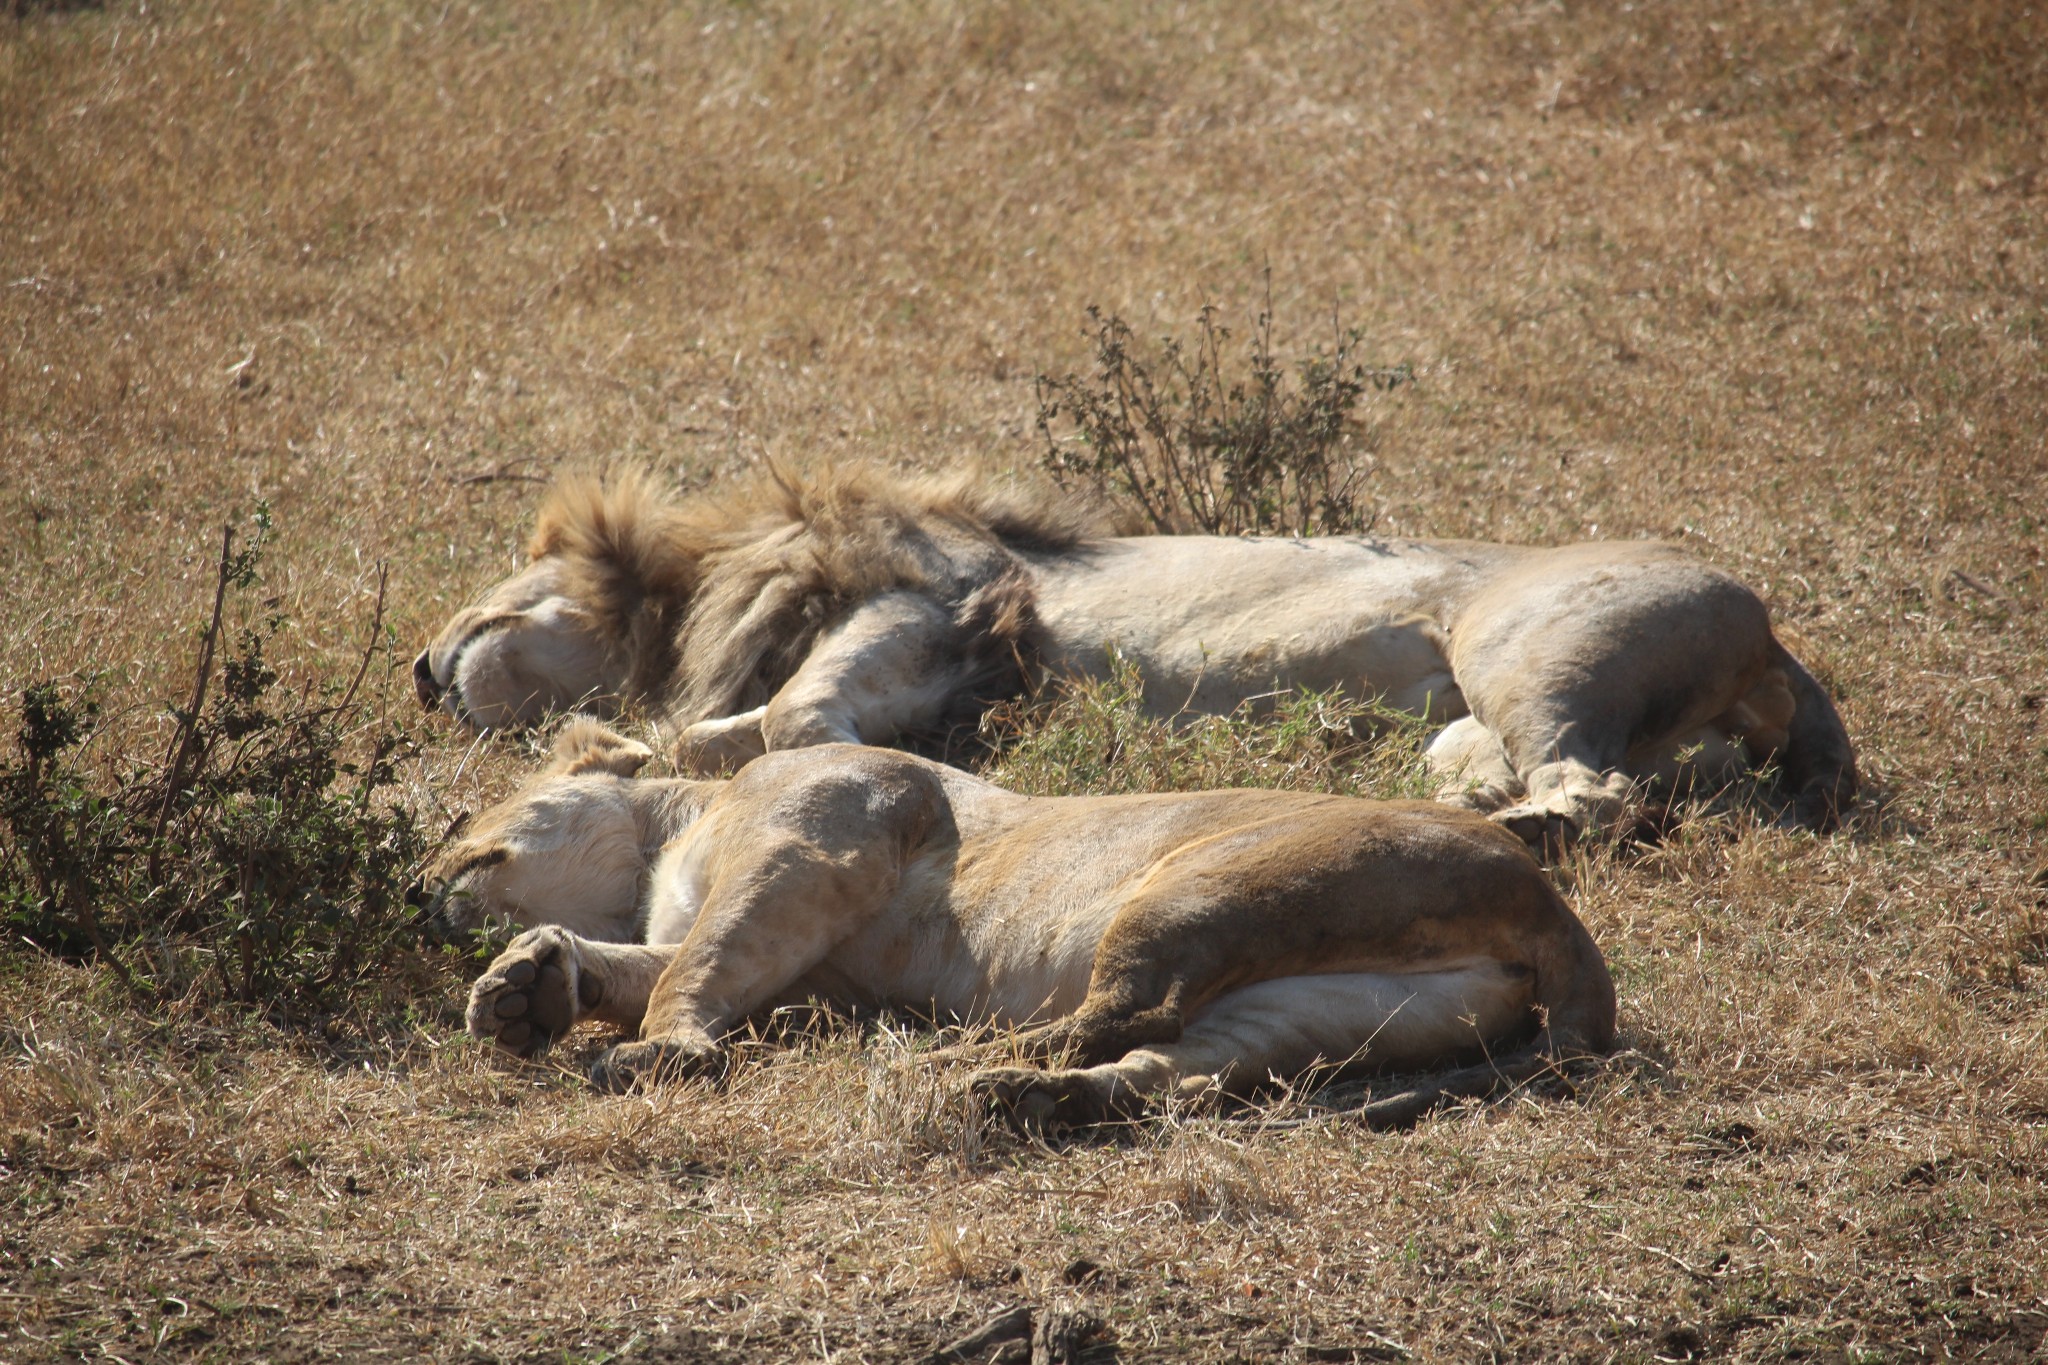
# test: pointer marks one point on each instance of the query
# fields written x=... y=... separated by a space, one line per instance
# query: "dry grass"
x=1769 y=279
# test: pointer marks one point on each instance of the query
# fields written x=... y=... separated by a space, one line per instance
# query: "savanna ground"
x=1771 y=281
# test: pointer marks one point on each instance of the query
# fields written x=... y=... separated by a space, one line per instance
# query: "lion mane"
x=711 y=604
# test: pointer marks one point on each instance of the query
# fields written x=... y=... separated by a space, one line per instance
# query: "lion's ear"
x=586 y=746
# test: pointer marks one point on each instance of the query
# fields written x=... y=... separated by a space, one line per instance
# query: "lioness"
x=859 y=608
x=1149 y=944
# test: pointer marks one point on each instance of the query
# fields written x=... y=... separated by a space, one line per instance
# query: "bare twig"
x=370 y=649
x=495 y=476
x=1013 y=1324
x=89 y=920
x=188 y=721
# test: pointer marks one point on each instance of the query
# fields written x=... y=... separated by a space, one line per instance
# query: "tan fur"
x=1147 y=944
x=857 y=607
x=811 y=548
x=703 y=608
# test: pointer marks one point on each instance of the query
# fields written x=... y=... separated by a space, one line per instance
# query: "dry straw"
x=1764 y=279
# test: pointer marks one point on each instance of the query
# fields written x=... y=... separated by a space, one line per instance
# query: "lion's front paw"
x=632 y=1065
x=1036 y=1100
x=1548 y=833
x=532 y=994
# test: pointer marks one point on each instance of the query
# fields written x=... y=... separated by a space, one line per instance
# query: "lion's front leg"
x=808 y=851
x=717 y=746
x=891 y=668
x=549 y=980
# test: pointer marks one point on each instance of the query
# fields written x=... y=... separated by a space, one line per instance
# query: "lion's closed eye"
x=490 y=857
x=443 y=880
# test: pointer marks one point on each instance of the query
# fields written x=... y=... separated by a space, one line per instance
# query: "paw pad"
x=523 y=1002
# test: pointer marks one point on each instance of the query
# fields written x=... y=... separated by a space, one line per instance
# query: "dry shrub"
x=1195 y=446
x=262 y=860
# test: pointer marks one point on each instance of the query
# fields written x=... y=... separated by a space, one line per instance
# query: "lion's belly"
x=1213 y=623
x=1028 y=961
x=934 y=976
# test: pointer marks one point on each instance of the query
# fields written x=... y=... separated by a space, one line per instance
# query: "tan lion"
x=855 y=607
x=1150 y=945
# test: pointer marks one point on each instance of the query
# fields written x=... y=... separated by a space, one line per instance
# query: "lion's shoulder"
x=838 y=794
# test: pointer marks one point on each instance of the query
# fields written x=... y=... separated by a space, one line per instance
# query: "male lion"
x=1151 y=944
x=859 y=608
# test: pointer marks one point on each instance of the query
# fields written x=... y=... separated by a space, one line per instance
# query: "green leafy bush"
x=1197 y=448
x=263 y=861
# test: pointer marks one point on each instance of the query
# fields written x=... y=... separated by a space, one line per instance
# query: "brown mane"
x=714 y=600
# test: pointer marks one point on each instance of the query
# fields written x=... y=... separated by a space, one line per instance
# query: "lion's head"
x=703 y=607
x=571 y=847
x=611 y=567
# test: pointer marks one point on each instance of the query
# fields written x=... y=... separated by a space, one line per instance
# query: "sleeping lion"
x=1147 y=946
x=859 y=608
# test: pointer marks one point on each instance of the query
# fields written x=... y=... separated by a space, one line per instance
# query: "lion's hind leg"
x=1547 y=808
x=1276 y=1030
x=548 y=980
x=1471 y=768
x=1567 y=798
x=1605 y=651
x=1574 y=790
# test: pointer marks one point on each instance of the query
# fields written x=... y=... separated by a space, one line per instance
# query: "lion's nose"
x=423 y=681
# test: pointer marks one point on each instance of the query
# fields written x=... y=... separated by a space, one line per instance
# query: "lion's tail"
x=1818 y=762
